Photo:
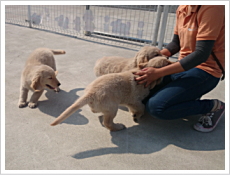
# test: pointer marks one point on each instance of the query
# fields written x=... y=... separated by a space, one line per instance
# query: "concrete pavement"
x=80 y=142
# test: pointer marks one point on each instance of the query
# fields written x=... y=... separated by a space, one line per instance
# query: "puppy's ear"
x=141 y=57
x=142 y=65
x=135 y=70
x=169 y=62
x=154 y=52
x=56 y=72
x=159 y=53
x=35 y=85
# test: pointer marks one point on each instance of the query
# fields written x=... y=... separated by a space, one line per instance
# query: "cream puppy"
x=39 y=73
x=109 y=91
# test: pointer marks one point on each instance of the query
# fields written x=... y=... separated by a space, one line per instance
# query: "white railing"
x=120 y=25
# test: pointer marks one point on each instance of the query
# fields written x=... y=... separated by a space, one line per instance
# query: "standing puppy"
x=39 y=73
x=107 y=92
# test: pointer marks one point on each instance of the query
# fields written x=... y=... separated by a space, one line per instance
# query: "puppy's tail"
x=82 y=101
x=58 y=52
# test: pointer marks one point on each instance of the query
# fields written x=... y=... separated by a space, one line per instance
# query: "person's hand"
x=150 y=74
x=147 y=76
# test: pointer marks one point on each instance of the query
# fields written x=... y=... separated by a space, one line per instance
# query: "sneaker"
x=208 y=122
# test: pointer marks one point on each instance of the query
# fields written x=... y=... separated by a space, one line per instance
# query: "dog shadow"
x=152 y=135
x=56 y=103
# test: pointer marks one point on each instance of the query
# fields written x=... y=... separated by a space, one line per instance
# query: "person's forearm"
x=173 y=47
x=170 y=69
x=200 y=55
x=150 y=74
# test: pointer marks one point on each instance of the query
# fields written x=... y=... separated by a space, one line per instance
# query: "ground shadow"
x=123 y=108
x=56 y=103
x=152 y=135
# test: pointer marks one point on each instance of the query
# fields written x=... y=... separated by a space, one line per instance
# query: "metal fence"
x=126 y=25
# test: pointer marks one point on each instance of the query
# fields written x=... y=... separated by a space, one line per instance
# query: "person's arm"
x=200 y=55
x=173 y=47
x=150 y=74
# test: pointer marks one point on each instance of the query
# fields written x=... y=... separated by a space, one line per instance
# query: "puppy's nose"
x=59 y=84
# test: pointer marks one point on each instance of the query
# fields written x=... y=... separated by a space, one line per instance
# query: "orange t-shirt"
x=207 y=23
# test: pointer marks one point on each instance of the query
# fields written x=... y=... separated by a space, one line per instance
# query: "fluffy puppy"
x=109 y=91
x=39 y=73
x=114 y=64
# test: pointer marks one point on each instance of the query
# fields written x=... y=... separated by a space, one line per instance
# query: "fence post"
x=157 y=25
x=163 y=26
x=29 y=17
x=87 y=33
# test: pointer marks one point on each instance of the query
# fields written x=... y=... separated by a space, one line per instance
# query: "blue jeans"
x=178 y=95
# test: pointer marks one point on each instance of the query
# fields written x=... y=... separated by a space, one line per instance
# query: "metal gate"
x=123 y=25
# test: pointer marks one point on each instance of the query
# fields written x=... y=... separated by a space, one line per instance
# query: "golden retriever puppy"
x=114 y=64
x=109 y=91
x=39 y=73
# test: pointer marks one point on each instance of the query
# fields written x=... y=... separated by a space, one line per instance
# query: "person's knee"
x=156 y=109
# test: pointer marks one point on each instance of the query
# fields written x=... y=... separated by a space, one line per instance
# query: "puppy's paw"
x=22 y=104
x=136 y=118
x=117 y=127
x=32 y=105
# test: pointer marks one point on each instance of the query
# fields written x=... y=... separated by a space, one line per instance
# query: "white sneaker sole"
x=200 y=128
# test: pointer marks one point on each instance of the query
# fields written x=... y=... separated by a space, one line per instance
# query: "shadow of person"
x=152 y=135
x=56 y=103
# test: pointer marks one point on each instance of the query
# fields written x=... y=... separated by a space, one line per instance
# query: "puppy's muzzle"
x=59 y=84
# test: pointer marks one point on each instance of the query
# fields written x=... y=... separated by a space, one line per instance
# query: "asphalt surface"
x=80 y=142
